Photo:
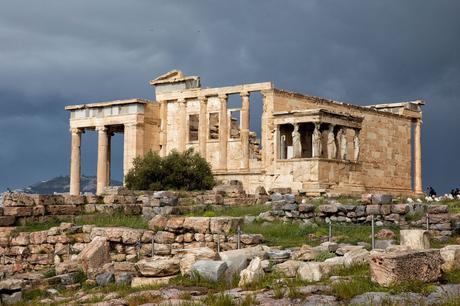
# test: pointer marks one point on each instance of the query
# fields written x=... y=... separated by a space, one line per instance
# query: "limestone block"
x=158 y=266
x=415 y=239
x=210 y=270
x=288 y=268
x=74 y=199
x=354 y=257
x=451 y=256
x=223 y=225
x=400 y=209
x=174 y=223
x=385 y=209
x=438 y=209
x=7 y=220
x=252 y=273
x=18 y=211
x=158 y=222
x=373 y=209
x=23 y=238
x=95 y=254
x=328 y=208
x=63 y=209
x=305 y=253
x=197 y=224
x=237 y=260
x=164 y=237
x=310 y=271
x=189 y=256
x=17 y=199
x=382 y=199
x=396 y=267
x=149 y=281
x=251 y=239
x=131 y=236
x=13 y=298
x=306 y=208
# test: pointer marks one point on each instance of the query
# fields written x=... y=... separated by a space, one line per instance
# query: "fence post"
x=330 y=232
x=153 y=247
x=218 y=243
x=373 y=232
x=427 y=222
x=238 y=236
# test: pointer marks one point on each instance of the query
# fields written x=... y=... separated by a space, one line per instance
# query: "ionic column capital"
x=244 y=94
x=222 y=97
x=181 y=100
x=76 y=131
x=134 y=124
x=101 y=128
x=203 y=99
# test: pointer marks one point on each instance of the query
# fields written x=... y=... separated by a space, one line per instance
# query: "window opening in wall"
x=235 y=124
x=306 y=132
x=214 y=126
x=285 y=141
x=193 y=123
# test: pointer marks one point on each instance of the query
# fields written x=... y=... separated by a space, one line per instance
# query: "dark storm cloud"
x=54 y=53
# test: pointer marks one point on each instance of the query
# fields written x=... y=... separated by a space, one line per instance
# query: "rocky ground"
x=205 y=260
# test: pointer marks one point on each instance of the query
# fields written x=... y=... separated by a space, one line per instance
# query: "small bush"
x=322 y=256
x=176 y=171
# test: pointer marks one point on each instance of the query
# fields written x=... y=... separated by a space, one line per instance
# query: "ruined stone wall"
x=385 y=155
x=26 y=251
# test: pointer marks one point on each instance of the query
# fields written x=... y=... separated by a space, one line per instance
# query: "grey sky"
x=54 y=53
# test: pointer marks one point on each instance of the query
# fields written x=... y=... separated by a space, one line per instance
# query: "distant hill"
x=60 y=184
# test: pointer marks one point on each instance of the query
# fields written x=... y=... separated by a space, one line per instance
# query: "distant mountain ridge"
x=60 y=184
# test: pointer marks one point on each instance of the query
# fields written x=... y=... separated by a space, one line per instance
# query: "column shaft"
x=245 y=130
x=164 y=127
x=223 y=132
x=202 y=129
x=75 y=162
x=109 y=155
x=102 y=149
x=418 y=157
x=183 y=125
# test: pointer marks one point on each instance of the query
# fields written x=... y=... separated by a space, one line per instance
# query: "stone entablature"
x=332 y=147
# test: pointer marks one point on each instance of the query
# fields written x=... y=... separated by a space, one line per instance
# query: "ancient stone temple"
x=308 y=144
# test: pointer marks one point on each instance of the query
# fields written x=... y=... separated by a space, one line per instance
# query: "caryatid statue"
x=343 y=143
x=356 y=145
x=331 y=146
x=296 y=144
x=316 y=141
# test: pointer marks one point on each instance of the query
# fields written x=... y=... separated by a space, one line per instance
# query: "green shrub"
x=177 y=171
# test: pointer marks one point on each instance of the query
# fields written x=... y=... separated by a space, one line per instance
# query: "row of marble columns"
x=132 y=147
x=203 y=133
x=336 y=145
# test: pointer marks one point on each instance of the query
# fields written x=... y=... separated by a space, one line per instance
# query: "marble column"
x=223 y=132
x=164 y=127
x=245 y=130
x=109 y=155
x=183 y=125
x=75 y=162
x=202 y=127
x=133 y=145
x=102 y=150
x=418 y=157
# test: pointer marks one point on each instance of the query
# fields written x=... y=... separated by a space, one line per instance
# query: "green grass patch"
x=452 y=277
x=39 y=226
x=292 y=234
x=324 y=255
x=414 y=216
x=233 y=211
x=106 y=220
x=195 y=280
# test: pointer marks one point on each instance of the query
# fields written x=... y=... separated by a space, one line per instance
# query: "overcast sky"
x=55 y=53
